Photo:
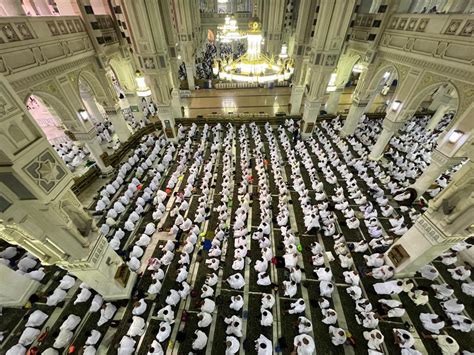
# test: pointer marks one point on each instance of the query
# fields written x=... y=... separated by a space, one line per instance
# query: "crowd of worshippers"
x=72 y=154
x=105 y=131
x=22 y=262
x=152 y=160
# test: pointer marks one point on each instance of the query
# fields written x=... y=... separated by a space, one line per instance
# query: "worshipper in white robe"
x=208 y=305
x=429 y=272
x=326 y=289
x=127 y=346
x=163 y=332
x=389 y=287
x=232 y=345
x=374 y=260
x=17 y=349
x=139 y=307
x=468 y=288
x=84 y=295
x=268 y=301
x=460 y=322
x=330 y=316
x=200 y=340
x=266 y=319
x=37 y=275
x=403 y=338
x=338 y=335
x=237 y=302
x=96 y=303
x=236 y=281
x=447 y=344
x=36 y=319
x=71 y=322
x=173 y=297
x=211 y=279
x=155 y=349
x=290 y=288
x=419 y=297
x=106 y=313
x=304 y=345
x=205 y=319
x=460 y=273
x=374 y=339
x=63 y=339
x=263 y=345
x=304 y=325
x=383 y=272
x=355 y=292
x=351 y=277
x=297 y=307
x=134 y=264
x=56 y=297
x=443 y=291
x=234 y=326
x=324 y=274
x=67 y=282
x=452 y=306
x=93 y=337
x=28 y=336
x=368 y=320
x=432 y=322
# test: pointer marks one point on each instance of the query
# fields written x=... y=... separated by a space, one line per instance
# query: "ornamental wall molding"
x=445 y=70
x=27 y=82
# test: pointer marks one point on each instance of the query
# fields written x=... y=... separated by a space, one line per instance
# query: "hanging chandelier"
x=254 y=66
x=229 y=31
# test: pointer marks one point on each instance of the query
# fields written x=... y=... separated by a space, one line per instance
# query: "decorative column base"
x=421 y=244
x=310 y=115
x=296 y=98
x=165 y=115
x=353 y=118
x=333 y=101
x=22 y=288
x=104 y=271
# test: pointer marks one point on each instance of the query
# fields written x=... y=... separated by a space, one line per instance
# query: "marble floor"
x=269 y=101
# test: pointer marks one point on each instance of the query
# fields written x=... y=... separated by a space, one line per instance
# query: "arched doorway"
x=382 y=89
x=75 y=155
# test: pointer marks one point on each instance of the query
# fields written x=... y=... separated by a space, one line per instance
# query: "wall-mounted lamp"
x=142 y=90
x=455 y=136
x=396 y=105
x=83 y=114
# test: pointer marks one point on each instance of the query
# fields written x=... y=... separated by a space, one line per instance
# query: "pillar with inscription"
x=39 y=211
x=447 y=221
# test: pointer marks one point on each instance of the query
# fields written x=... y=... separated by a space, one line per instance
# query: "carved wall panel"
x=45 y=170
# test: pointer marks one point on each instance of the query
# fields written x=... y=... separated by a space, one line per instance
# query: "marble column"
x=89 y=139
x=437 y=117
x=447 y=221
x=190 y=75
x=333 y=101
x=310 y=115
x=91 y=106
x=352 y=120
x=389 y=129
x=440 y=163
x=165 y=114
x=296 y=98
x=20 y=288
x=121 y=126
x=176 y=103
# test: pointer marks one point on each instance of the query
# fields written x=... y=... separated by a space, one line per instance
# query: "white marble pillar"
x=190 y=75
x=165 y=114
x=333 y=101
x=447 y=221
x=91 y=106
x=310 y=115
x=437 y=117
x=176 y=103
x=389 y=129
x=136 y=104
x=352 y=120
x=296 y=98
x=16 y=288
x=440 y=163
x=121 y=127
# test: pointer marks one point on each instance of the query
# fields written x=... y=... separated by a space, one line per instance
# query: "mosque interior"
x=236 y=177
